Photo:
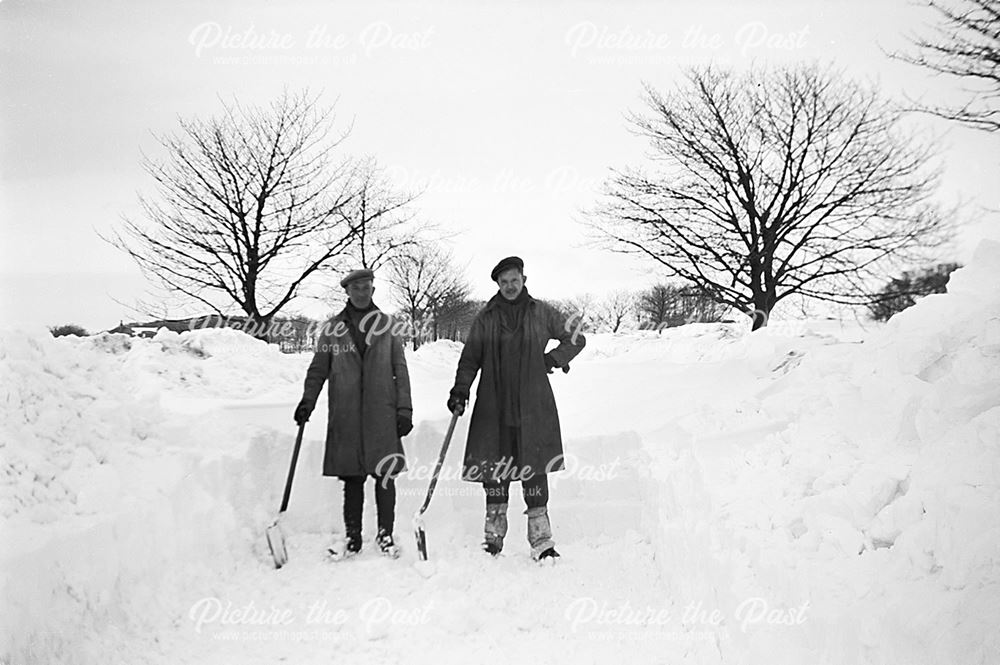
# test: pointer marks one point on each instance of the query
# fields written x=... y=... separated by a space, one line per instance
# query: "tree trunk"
x=762 y=307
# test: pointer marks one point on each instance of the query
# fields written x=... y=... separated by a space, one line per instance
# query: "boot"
x=353 y=545
x=386 y=544
x=495 y=528
x=350 y=546
x=540 y=533
x=549 y=554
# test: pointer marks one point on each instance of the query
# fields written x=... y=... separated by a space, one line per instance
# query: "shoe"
x=549 y=554
x=350 y=546
x=495 y=528
x=386 y=544
x=493 y=547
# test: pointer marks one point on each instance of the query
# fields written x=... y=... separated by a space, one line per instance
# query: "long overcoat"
x=540 y=439
x=365 y=395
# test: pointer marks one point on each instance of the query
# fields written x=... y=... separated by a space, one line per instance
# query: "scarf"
x=511 y=347
x=354 y=319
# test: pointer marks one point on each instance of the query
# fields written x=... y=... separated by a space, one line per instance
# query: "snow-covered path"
x=603 y=598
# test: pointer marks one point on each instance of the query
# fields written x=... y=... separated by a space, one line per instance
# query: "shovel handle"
x=440 y=462
x=291 y=469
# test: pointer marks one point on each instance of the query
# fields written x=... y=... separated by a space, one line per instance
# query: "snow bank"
x=443 y=352
x=72 y=407
x=868 y=525
x=213 y=362
x=110 y=500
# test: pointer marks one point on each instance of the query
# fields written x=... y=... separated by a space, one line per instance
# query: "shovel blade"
x=422 y=544
x=276 y=542
x=418 y=530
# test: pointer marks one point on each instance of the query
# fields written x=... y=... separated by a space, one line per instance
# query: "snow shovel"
x=418 y=519
x=275 y=537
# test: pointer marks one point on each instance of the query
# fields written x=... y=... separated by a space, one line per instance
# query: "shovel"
x=418 y=519
x=275 y=537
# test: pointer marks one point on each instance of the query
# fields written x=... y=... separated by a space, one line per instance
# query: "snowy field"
x=816 y=492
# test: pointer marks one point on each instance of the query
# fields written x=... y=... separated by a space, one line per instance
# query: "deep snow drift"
x=813 y=492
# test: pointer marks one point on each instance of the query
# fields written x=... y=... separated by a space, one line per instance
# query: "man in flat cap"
x=361 y=354
x=514 y=433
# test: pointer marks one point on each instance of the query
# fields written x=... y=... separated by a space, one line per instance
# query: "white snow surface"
x=814 y=492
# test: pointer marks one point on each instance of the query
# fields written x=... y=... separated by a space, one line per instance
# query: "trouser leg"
x=354 y=503
x=385 y=501
x=536 y=491
x=496 y=492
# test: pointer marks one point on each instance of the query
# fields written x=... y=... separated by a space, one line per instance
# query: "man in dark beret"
x=369 y=406
x=514 y=433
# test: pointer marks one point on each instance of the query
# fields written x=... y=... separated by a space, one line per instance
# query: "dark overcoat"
x=365 y=396
x=540 y=440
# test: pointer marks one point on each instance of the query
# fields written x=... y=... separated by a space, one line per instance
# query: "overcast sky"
x=508 y=113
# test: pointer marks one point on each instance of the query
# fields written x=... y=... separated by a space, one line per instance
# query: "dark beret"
x=507 y=264
x=355 y=275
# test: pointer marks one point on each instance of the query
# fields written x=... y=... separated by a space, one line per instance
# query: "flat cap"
x=507 y=264
x=355 y=275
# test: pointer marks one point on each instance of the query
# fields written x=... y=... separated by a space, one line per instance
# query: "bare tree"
x=250 y=205
x=426 y=283
x=579 y=310
x=382 y=216
x=296 y=333
x=655 y=304
x=456 y=317
x=964 y=44
x=613 y=311
x=671 y=305
x=451 y=310
x=689 y=305
x=773 y=183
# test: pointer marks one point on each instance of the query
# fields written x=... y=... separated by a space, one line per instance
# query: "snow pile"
x=67 y=413
x=72 y=407
x=868 y=526
x=442 y=352
x=111 y=500
x=211 y=362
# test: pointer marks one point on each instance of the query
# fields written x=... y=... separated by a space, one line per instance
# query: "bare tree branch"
x=773 y=183
x=428 y=288
x=251 y=204
x=965 y=44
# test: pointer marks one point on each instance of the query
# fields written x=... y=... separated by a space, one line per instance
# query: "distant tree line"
x=657 y=307
x=68 y=329
x=903 y=291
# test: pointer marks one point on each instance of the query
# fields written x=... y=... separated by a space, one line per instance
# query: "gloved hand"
x=302 y=413
x=550 y=363
x=456 y=403
x=404 y=424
